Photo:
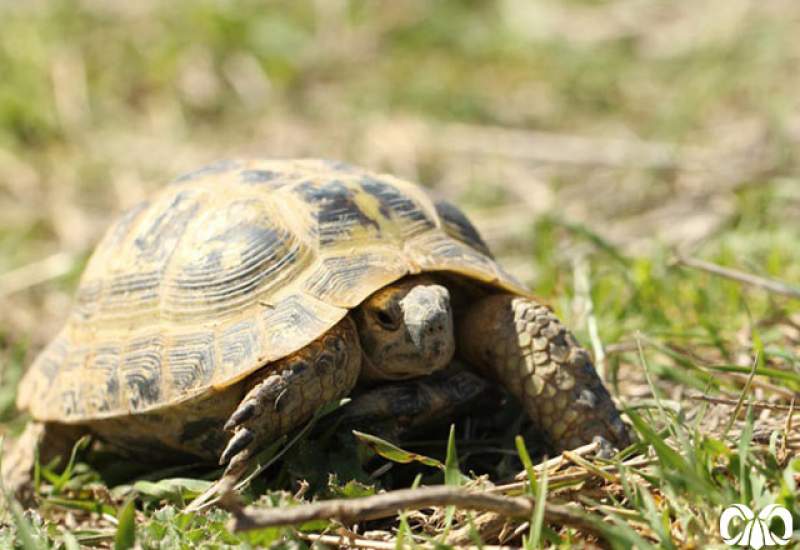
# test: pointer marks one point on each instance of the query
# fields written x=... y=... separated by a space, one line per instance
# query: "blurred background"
x=589 y=140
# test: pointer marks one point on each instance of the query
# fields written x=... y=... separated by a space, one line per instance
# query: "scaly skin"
x=292 y=389
x=523 y=345
x=394 y=410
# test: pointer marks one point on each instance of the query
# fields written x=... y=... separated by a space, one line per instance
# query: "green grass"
x=100 y=104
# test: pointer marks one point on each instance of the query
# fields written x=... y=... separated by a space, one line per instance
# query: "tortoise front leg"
x=524 y=346
x=393 y=410
x=288 y=392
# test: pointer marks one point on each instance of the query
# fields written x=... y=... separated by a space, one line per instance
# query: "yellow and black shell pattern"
x=233 y=266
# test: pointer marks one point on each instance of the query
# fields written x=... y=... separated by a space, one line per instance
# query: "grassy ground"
x=594 y=143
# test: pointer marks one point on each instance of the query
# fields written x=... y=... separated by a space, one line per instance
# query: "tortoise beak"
x=429 y=324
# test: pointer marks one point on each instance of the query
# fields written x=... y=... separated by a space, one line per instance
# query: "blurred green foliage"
x=448 y=59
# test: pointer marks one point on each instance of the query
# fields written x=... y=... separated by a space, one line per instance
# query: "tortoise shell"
x=233 y=266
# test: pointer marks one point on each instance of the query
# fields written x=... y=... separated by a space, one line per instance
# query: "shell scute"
x=341 y=280
x=237 y=254
x=158 y=236
x=240 y=344
x=458 y=226
x=295 y=319
x=336 y=211
x=261 y=177
x=191 y=360
x=102 y=393
x=141 y=372
x=218 y=167
x=93 y=283
x=132 y=289
x=395 y=205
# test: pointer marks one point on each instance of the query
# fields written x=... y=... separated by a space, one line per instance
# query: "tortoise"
x=223 y=312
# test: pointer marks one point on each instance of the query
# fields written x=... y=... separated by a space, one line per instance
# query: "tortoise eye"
x=386 y=319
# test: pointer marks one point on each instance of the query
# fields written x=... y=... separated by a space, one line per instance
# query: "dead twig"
x=733 y=402
x=490 y=525
x=771 y=285
x=745 y=391
x=340 y=541
x=755 y=382
x=389 y=504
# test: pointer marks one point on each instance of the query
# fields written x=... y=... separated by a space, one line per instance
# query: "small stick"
x=388 y=504
x=787 y=428
x=340 y=541
x=745 y=378
x=733 y=402
x=771 y=285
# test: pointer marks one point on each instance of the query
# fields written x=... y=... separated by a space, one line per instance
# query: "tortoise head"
x=406 y=330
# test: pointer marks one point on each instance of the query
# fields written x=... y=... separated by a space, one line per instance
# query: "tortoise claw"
x=237 y=444
x=245 y=412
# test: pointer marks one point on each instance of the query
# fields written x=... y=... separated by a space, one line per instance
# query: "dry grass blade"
x=745 y=391
x=390 y=503
x=578 y=474
x=551 y=147
x=36 y=273
x=771 y=285
x=559 y=460
x=589 y=467
x=583 y=295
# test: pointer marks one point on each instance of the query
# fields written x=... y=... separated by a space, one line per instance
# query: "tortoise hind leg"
x=524 y=346
x=288 y=392
x=53 y=440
